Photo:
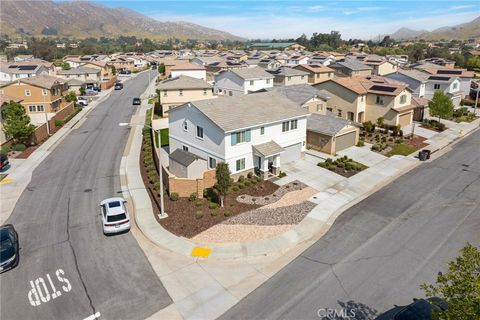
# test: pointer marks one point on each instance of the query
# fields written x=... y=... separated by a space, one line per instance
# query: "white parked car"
x=82 y=101
x=115 y=216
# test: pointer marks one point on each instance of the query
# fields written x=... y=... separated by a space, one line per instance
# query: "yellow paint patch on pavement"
x=201 y=252
x=6 y=180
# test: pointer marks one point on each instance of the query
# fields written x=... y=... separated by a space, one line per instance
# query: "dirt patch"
x=27 y=152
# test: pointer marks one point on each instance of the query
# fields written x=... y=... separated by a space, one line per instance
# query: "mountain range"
x=459 y=32
x=83 y=19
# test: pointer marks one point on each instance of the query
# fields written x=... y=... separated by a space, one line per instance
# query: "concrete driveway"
x=419 y=131
x=363 y=155
x=306 y=170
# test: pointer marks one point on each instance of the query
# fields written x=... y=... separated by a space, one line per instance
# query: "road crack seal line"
x=76 y=261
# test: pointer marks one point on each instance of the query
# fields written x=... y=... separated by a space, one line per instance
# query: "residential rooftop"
x=183 y=82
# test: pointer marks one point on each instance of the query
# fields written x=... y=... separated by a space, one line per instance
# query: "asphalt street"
x=378 y=252
x=77 y=271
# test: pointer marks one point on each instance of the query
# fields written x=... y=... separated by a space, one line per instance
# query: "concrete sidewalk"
x=21 y=173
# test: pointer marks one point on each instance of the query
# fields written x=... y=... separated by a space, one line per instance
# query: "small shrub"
x=5 y=150
x=241 y=186
x=348 y=167
x=329 y=161
x=59 y=123
x=341 y=165
x=19 y=147
x=156 y=186
x=250 y=175
x=322 y=164
x=282 y=174
x=174 y=196
x=212 y=205
x=375 y=147
x=384 y=139
x=241 y=179
x=192 y=197
x=198 y=203
x=247 y=183
x=253 y=181
x=259 y=179
x=235 y=189
x=227 y=213
x=331 y=168
x=345 y=158
x=151 y=168
x=199 y=215
x=214 y=213
x=360 y=143
x=152 y=176
x=390 y=139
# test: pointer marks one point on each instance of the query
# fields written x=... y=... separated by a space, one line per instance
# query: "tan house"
x=362 y=99
x=4 y=100
x=317 y=73
x=176 y=91
x=351 y=68
x=107 y=78
x=43 y=96
x=380 y=65
x=89 y=76
x=122 y=63
x=288 y=76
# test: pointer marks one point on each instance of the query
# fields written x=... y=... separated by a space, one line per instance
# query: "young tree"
x=70 y=96
x=223 y=180
x=16 y=122
x=161 y=68
x=114 y=70
x=440 y=106
x=82 y=90
x=459 y=287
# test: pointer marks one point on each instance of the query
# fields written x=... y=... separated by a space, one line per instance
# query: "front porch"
x=267 y=159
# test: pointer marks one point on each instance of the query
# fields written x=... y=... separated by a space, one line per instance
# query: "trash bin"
x=422 y=155
x=428 y=152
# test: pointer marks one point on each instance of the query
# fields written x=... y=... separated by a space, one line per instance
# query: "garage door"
x=404 y=119
x=291 y=153
x=345 y=141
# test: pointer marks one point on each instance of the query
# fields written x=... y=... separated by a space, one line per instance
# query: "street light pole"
x=160 y=173
x=476 y=100
x=46 y=114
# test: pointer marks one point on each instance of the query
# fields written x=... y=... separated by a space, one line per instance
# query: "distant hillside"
x=461 y=32
x=82 y=19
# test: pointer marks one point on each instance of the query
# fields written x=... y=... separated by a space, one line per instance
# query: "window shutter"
x=248 y=135
x=234 y=138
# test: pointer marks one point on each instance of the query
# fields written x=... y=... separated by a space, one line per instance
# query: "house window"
x=204 y=92
x=27 y=93
x=252 y=82
x=199 y=132
x=436 y=86
x=302 y=77
x=185 y=125
x=38 y=108
x=379 y=100
x=164 y=93
x=319 y=107
x=240 y=137
x=262 y=131
x=454 y=87
x=268 y=81
x=361 y=98
x=220 y=90
x=294 y=124
x=185 y=148
x=180 y=92
x=403 y=98
x=329 y=109
x=339 y=112
x=240 y=164
x=212 y=162
x=44 y=92
x=230 y=93
x=289 y=78
x=285 y=126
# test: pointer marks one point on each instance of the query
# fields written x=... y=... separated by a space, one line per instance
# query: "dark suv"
x=136 y=101
x=118 y=86
x=9 y=255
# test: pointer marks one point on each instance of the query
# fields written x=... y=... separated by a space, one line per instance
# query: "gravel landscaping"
x=273 y=197
x=224 y=233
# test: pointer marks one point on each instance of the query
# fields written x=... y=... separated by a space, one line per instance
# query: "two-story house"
x=415 y=79
x=363 y=99
x=107 y=76
x=288 y=76
x=350 y=68
x=238 y=82
x=20 y=70
x=464 y=76
x=317 y=73
x=256 y=132
x=89 y=76
x=380 y=65
x=188 y=69
x=268 y=63
x=176 y=91
x=296 y=59
x=42 y=96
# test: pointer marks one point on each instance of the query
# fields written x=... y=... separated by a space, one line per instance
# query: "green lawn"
x=401 y=149
x=163 y=136
x=153 y=100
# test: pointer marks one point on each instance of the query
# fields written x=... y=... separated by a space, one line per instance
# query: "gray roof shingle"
x=268 y=149
x=351 y=65
x=234 y=113
x=183 y=82
x=287 y=72
x=300 y=93
x=326 y=124
x=252 y=73
x=183 y=157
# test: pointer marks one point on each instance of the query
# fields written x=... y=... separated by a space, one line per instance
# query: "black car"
x=4 y=163
x=9 y=255
x=118 y=86
x=419 y=309
x=136 y=101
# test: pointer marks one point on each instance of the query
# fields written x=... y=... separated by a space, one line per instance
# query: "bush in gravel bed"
x=19 y=147
x=282 y=174
x=192 y=197
x=235 y=189
x=247 y=183
x=241 y=179
x=253 y=181
x=259 y=179
x=152 y=176
x=241 y=185
x=227 y=213
x=151 y=168
x=212 y=205
x=198 y=215
x=198 y=203
x=156 y=186
x=250 y=175
x=174 y=196
x=214 y=213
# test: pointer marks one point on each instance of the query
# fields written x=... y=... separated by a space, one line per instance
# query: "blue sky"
x=284 y=19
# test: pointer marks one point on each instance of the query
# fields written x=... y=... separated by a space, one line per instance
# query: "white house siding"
x=258 y=84
x=226 y=82
x=199 y=74
x=417 y=86
x=465 y=86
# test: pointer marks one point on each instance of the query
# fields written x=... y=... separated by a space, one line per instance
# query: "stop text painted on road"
x=41 y=292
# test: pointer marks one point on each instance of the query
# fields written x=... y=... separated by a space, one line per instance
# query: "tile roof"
x=186 y=66
x=6 y=99
x=183 y=157
x=234 y=113
x=364 y=85
x=268 y=149
x=46 y=82
x=326 y=124
x=183 y=82
x=300 y=93
x=252 y=73
x=419 y=101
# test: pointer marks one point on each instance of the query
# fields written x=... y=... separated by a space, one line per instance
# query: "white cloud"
x=315 y=8
x=461 y=7
x=267 y=26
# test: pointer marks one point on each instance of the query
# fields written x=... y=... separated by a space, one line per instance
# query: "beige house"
x=362 y=99
x=107 y=78
x=380 y=66
x=43 y=96
x=184 y=164
x=288 y=76
x=351 y=68
x=317 y=73
x=89 y=76
x=176 y=91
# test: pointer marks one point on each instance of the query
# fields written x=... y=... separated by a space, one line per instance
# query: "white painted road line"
x=93 y=316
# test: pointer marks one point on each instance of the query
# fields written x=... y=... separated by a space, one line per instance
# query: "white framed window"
x=379 y=100
x=436 y=86
x=28 y=93
x=319 y=107
x=252 y=82
x=339 y=112
x=230 y=93
x=165 y=93
x=262 y=131
x=289 y=78
x=241 y=136
x=455 y=86
x=240 y=164
x=403 y=98
x=212 y=162
x=302 y=77
x=204 y=92
x=36 y=108
x=268 y=81
x=180 y=92
x=199 y=132
x=285 y=126
x=361 y=98
x=184 y=148
x=44 y=92
x=294 y=124
x=185 y=125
